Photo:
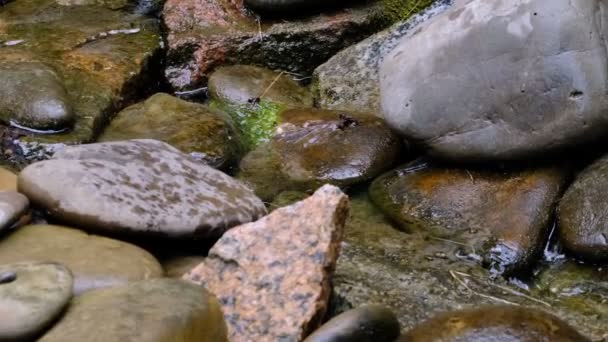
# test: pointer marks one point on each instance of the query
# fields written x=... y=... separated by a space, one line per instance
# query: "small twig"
x=461 y=282
x=455 y=242
x=517 y=293
x=271 y=84
x=259 y=21
x=471 y=176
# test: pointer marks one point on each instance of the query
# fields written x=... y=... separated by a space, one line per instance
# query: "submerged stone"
x=207 y=134
x=95 y=261
x=146 y=311
x=32 y=295
x=313 y=147
x=139 y=187
x=32 y=95
x=504 y=216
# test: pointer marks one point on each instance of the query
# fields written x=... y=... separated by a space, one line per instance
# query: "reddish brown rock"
x=272 y=276
x=204 y=34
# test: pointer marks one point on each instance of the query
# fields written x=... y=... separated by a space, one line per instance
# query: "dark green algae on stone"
x=101 y=57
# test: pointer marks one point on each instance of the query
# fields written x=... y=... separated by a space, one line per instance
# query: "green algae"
x=400 y=10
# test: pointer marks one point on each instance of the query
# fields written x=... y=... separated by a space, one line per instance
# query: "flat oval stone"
x=32 y=95
x=583 y=214
x=142 y=187
x=207 y=134
x=12 y=206
x=95 y=261
x=494 y=323
x=145 y=311
x=33 y=298
x=244 y=84
x=368 y=323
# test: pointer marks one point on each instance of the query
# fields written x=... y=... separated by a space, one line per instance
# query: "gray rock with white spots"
x=141 y=187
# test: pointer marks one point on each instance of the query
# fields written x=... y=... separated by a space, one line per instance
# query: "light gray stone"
x=501 y=79
x=12 y=206
x=143 y=187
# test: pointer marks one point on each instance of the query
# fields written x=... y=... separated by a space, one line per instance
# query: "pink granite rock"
x=272 y=276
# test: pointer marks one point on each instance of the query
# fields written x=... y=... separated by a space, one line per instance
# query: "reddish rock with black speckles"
x=272 y=276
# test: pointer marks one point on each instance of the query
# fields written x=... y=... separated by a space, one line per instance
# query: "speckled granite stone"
x=143 y=187
x=272 y=277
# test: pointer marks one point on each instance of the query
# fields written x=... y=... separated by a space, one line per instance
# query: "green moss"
x=256 y=122
x=400 y=10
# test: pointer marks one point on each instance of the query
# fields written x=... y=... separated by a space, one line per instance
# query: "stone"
x=538 y=88
x=369 y=323
x=418 y=277
x=272 y=277
x=204 y=35
x=32 y=296
x=176 y=267
x=313 y=147
x=503 y=323
x=104 y=59
x=8 y=180
x=12 y=206
x=583 y=214
x=95 y=261
x=32 y=96
x=207 y=134
x=141 y=187
x=146 y=311
x=290 y=6
x=350 y=80
x=502 y=215
x=244 y=84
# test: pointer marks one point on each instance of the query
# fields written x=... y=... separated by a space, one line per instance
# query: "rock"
x=176 y=267
x=504 y=323
x=290 y=6
x=192 y=128
x=12 y=206
x=204 y=35
x=418 y=277
x=313 y=147
x=32 y=96
x=8 y=180
x=583 y=214
x=142 y=187
x=503 y=215
x=369 y=323
x=32 y=295
x=104 y=59
x=272 y=276
x=538 y=88
x=153 y=310
x=95 y=261
x=350 y=80
x=244 y=84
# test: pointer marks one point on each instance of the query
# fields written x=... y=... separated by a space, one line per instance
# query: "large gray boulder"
x=501 y=79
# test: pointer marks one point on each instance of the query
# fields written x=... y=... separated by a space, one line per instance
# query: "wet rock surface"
x=8 y=180
x=461 y=205
x=369 y=323
x=313 y=147
x=202 y=36
x=153 y=310
x=538 y=88
x=583 y=214
x=32 y=96
x=278 y=269
x=12 y=206
x=207 y=134
x=350 y=80
x=141 y=187
x=32 y=295
x=95 y=261
x=176 y=267
x=495 y=323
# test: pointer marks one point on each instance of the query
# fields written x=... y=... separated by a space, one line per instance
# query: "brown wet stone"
x=12 y=206
x=95 y=261
x=177 y=266
x=313 y=147
x=504 y=216
x=272 y=276
x=159 y=310
x=192 y=128
x=583 y=214
x=139 y=187
x=8 y=180
x=494 y=323
x=243 y=84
